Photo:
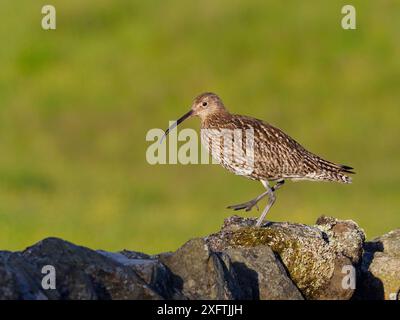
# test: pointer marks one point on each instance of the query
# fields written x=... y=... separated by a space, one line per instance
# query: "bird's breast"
x=230 y=148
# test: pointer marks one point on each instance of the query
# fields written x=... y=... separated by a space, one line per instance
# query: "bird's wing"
x=277 y=155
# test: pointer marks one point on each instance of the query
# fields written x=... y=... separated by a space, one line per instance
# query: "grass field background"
x=76 y=104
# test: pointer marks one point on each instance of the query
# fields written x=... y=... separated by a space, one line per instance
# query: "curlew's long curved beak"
x=176 y=123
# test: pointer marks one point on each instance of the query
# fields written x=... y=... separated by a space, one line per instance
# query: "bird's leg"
x=271 y=201
x=249 y=204
x=270 y=191
x=278 y=184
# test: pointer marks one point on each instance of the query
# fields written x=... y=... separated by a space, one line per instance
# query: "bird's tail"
x=335 y=172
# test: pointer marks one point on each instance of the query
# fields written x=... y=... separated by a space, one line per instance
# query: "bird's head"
x=203 y=105
x=206 y=104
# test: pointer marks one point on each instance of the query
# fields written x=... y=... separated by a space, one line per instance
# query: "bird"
x=277 y=157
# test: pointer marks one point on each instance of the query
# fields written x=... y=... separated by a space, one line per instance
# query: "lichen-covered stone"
x=314 y=256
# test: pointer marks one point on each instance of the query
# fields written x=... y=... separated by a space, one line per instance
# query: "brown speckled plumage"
x=277 y=156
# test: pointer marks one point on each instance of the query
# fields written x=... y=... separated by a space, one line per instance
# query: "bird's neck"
x=214 y=119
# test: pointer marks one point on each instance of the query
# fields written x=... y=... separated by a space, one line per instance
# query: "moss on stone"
x=310 y=271
x=313 y=255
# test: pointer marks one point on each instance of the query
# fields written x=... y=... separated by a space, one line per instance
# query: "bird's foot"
x=263 y=224
x=246 y=205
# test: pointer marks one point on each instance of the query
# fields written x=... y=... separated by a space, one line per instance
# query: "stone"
x=280 y=260
x=314 y=256
x=380 y=268
x=200 y=273
x=261 y=275
x=81 y=273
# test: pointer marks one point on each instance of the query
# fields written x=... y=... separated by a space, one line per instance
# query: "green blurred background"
x=76 y=104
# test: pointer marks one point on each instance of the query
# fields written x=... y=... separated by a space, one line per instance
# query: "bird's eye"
x=204 y=104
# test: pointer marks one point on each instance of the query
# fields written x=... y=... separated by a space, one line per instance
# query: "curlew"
x=275 y=156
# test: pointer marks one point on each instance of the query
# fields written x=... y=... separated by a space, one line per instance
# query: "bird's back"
x=276 y=155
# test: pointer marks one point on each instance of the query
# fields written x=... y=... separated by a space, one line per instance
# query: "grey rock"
x=261 y=275
x=7 y=279
x=81 y=273
x=17 y=278
x=152 y=271
x=280 y=260
x=380 y=268
x=200 y=273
